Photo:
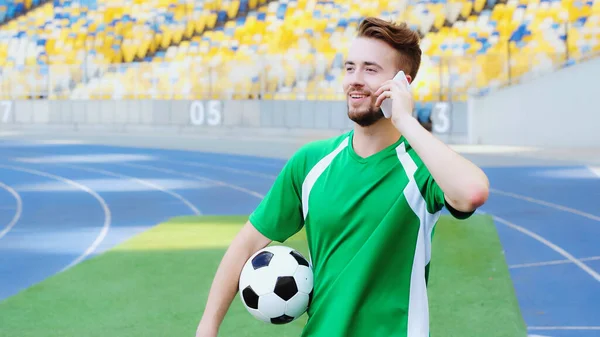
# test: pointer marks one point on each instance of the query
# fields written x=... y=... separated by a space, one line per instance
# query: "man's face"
x=370 y=62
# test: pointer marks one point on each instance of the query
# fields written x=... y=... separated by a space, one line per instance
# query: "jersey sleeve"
x=279 y=215
x=434 y=196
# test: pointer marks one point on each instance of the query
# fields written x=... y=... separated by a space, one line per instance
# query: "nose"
x=355 y=80
x=358 y=78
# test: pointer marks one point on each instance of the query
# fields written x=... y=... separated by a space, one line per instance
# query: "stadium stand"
x=285 y=49
x=10 y=10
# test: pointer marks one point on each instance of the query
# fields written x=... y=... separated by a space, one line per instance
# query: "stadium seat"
x=101 y=32
x=265 y=49
x=10 y=10
x=467 y=44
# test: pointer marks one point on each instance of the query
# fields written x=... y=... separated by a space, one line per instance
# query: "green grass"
x=156 y=284
x=470 y=290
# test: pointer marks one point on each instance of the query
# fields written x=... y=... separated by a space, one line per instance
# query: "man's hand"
x=402 y=100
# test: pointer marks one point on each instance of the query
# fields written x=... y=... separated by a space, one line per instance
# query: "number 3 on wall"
x=211 y=114
x=441 y=117
x=6 y=110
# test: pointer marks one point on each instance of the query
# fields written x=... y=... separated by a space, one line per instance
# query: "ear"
x=409 y=79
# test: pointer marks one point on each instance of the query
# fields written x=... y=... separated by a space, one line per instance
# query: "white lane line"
x=196 y=177
x=547 y=204
x=107 y=214
x=551 y=263
x=18 y=211
x=223 y=168
x=547 y=243
x=138 y=180
x=563 y=328
x=256 y=163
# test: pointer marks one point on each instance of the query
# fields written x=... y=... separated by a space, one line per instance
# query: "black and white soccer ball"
x=276 y=285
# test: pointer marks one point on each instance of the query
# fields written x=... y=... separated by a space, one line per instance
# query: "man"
x=423 y=115
x=369 y=200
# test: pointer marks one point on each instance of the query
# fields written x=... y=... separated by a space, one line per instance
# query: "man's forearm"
x=226 y=280
x=223 y=288
x=464 y=184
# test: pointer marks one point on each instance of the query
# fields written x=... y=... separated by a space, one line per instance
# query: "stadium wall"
x=557 y=110
x=226 y=118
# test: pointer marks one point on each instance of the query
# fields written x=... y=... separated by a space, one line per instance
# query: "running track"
x=62 y=203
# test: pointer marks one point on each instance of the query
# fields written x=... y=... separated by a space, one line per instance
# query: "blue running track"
x=60 y=204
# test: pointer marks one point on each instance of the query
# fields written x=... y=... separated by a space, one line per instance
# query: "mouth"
x=357 y=98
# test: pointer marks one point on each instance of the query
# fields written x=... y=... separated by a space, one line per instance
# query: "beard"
x=365 y=116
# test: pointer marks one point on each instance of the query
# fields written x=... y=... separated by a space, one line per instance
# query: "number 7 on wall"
x=6 y=110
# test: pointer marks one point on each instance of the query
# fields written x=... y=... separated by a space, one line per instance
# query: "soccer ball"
x=276 y=285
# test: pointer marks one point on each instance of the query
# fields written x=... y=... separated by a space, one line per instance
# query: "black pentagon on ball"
x=301 y=260
x=250 y=297
x=283 y=319
x=286 y=287
x=262 y=259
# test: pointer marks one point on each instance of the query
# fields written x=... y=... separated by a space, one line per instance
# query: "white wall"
x=558 y=110
x=299 y=118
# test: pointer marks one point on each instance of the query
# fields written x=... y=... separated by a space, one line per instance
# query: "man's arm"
x=225 y=284
x=465 y=186
x=276 y=218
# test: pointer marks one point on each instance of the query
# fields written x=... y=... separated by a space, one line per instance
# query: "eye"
x=371 y=70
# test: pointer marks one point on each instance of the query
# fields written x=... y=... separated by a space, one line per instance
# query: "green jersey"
x=369 y=224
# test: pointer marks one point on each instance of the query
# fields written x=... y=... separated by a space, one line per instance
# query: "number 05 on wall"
x=206 y=113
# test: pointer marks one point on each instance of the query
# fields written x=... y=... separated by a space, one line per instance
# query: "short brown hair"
x=398 y=36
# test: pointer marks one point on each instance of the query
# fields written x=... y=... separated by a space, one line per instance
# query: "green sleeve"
x=434 y=196
x=279 y=214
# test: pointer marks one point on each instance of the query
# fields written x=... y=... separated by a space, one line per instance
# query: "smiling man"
x=369 y=200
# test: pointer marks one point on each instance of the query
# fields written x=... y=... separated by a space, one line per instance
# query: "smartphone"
x=386 y=105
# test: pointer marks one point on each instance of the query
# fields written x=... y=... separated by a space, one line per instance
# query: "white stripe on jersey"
x=418 y=306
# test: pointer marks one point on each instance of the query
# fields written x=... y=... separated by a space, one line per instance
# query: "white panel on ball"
x=263 y=281
x=284 y=263
x=297 y=305
x=271 y=305
x=258 y=315
x=304 y=279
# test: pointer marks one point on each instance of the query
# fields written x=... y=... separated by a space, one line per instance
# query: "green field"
x=156 y=284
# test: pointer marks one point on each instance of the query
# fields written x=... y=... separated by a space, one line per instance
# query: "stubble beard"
x=364 y=116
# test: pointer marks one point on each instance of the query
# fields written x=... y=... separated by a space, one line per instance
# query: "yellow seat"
x=294 y=53
x=479 y=4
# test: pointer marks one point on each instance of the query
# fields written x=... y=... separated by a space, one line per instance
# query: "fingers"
x=391 y=85
x=381 y=97
x=387 y=90
x=385 y=87
x=390 y=89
